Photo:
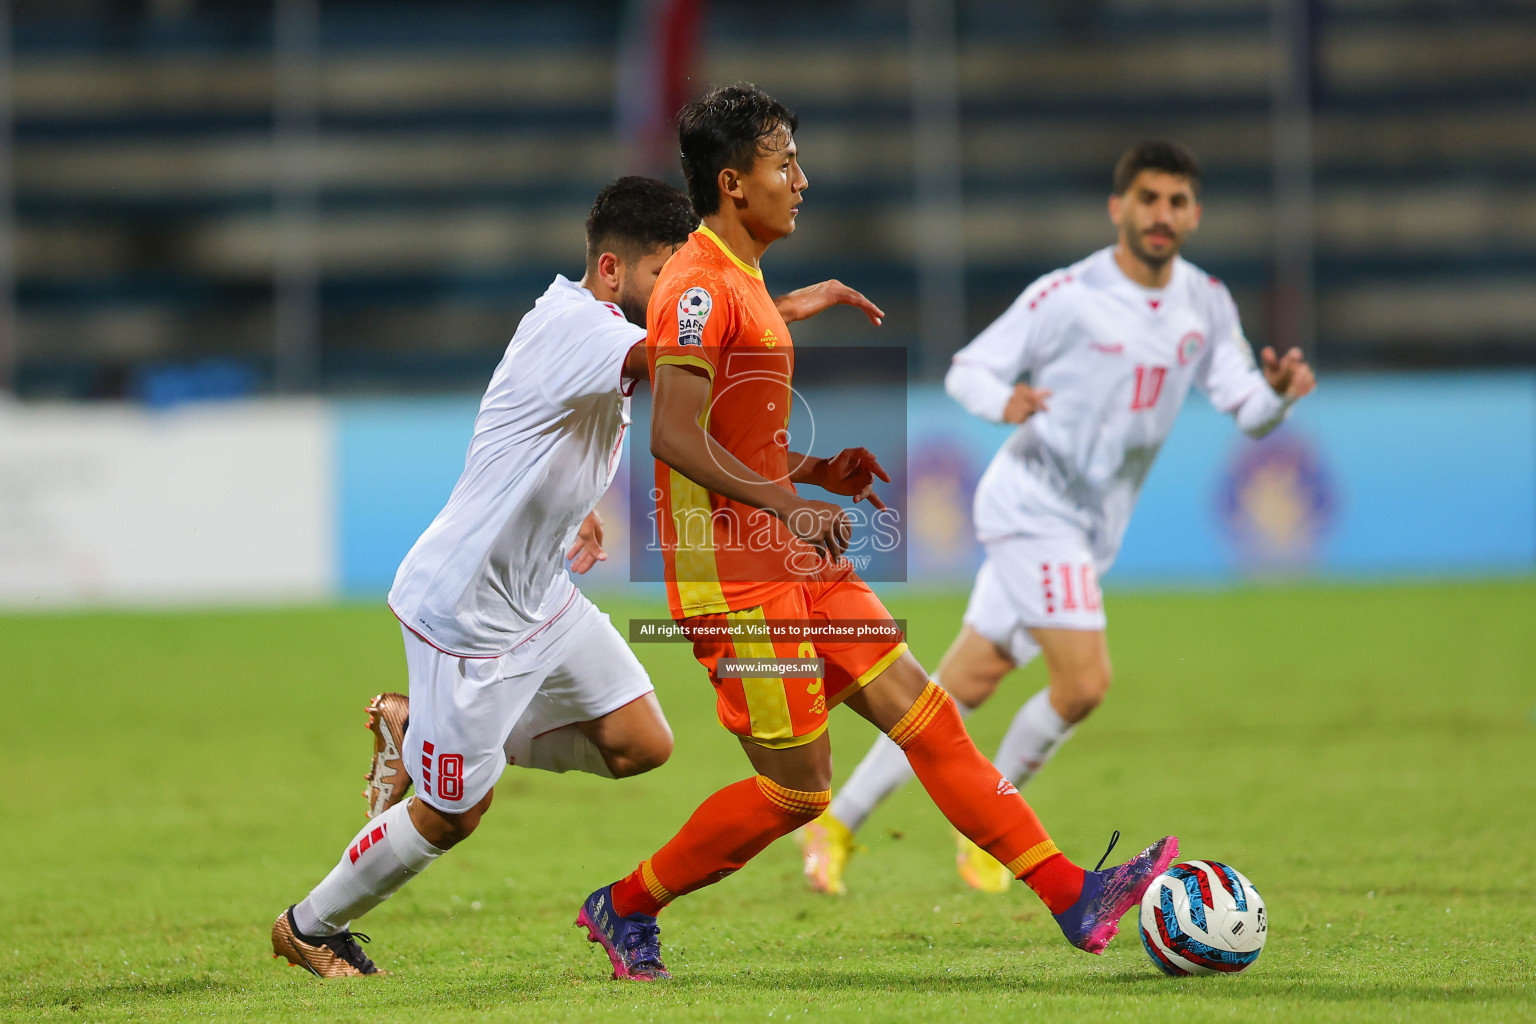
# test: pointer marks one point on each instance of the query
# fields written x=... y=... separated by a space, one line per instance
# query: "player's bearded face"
x=1155 y=215
x=637 y=279
x=771 y=190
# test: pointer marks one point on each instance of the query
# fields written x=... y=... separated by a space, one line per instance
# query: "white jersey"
x=491 y=567
x=1118 y=360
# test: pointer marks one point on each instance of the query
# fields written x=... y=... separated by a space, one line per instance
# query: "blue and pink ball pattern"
x=1202 y=917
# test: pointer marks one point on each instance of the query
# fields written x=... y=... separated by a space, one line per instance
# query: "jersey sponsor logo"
x=1190 y=346
x=769 y=338
x=692 y=314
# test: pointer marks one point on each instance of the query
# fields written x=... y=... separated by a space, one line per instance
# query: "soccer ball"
x=1201 y=917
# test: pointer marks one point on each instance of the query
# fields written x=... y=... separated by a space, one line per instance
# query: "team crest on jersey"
x=692 y=314
x=1190 y=346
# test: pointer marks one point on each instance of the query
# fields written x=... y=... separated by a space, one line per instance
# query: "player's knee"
x=647 y=753
x=971 y=688
x=444 y=830
x=1087 y=687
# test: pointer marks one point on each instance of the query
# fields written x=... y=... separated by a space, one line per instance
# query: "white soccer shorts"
x=1044 y=581
x=575 y=668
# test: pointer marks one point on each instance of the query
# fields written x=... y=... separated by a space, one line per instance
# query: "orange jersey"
x=712 y=311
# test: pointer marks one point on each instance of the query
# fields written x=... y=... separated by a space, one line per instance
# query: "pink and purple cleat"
x=1094 y=919
x=633 y=943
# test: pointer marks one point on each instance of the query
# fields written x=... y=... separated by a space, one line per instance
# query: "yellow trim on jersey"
x=767 y=705
x=685 y=360
x=869 y=674
x=693 y=559
x=793 y=741
x=749 y=268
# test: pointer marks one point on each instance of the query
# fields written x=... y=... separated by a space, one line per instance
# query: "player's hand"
x=1024 y=403
x=852 y=471
x=588 y=549
x=822 y=525
x=1289 y=377
x=804 y=303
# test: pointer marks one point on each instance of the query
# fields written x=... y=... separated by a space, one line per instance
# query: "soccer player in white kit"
x=1111 y=346
x=507 y=661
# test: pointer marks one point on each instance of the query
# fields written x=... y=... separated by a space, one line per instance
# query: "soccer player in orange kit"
x=742 y=549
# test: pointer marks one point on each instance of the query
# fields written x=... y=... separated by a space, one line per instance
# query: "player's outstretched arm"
x=804 y=303
x=985 y=394
x=851 y=471
x=681 y=394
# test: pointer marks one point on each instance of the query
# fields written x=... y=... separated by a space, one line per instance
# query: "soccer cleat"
x=330 y=956
x=826 y=845
x=633 y=943
x=388 y=780
x=979 y=868
x=1094 y=919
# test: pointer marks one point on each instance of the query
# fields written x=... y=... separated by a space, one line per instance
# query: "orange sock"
x=978 y=801
x=727 y=830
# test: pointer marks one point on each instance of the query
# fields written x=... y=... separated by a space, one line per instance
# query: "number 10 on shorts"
x=1069 y=587
x=450 y=774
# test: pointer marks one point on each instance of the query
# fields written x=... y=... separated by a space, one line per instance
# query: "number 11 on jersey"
x=1149 y=384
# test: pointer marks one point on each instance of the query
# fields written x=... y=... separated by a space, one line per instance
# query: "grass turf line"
x=1366 y=755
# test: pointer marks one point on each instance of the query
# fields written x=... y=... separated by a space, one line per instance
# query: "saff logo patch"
x=692 y=314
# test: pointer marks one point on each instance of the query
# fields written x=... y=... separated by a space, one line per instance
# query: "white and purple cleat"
x=1094 y=919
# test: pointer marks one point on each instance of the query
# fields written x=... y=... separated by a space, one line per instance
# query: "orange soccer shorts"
x=787 y=712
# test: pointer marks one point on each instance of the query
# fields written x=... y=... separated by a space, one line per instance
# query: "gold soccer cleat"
x=826 y=845
x=979 y=868
x=388 y=780
x=333 y=956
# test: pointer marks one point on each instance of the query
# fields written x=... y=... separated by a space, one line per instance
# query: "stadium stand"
x=461 y=144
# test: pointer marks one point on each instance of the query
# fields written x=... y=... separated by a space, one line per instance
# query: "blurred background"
x=258 y=259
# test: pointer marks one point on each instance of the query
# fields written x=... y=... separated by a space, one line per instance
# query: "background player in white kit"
x=1110 y=345
x=506 y=660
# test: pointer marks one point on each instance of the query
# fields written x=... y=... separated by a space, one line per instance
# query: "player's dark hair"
x=634 y=215
x=726 y=127
x=1158 y=155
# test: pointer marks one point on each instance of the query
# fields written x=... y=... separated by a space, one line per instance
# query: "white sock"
x=386 y=854
x=1036 y=732
x=566 y=749
x=883 y=771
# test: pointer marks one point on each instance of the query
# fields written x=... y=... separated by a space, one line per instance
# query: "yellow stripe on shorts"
x=767 y=705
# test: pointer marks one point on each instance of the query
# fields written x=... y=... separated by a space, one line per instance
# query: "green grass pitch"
x=1367 y=755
